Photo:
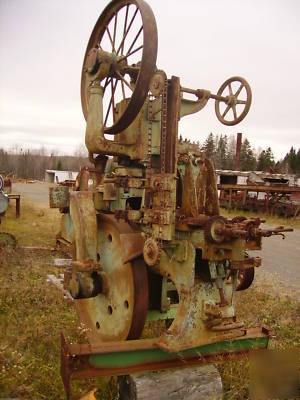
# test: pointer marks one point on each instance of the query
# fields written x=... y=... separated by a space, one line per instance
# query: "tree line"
x=222 y=150
x=31 y=164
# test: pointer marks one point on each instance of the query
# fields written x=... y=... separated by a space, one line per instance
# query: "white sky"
x=42 y=44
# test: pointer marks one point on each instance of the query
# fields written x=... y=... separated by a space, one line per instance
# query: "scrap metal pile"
x=148 y=238
x=269 y=193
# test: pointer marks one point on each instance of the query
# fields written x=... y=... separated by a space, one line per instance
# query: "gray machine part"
x=3 y=203
x=1 y=183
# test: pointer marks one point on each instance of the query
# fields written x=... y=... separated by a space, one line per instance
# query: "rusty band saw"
x=144 y=223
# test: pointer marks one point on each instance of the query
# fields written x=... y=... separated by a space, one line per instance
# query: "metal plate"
x=120 y=313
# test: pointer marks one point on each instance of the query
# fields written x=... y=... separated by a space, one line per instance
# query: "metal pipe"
x=238 y=151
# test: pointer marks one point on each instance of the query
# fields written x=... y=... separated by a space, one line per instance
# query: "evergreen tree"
x=59 y=165
x=266 y=160
x=248 y=160
x=221 y=153
x=231 y=153
x=209 y=147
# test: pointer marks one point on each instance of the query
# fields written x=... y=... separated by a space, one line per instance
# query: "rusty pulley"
x=127 y=31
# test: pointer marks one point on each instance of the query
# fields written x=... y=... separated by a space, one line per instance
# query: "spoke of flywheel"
x=127 y=30
x=115 y=30
x=130 y=54
x=125 y=26
x=113 y=98
x=123 y=80
x=110 y=38
x=241 y=102
x=123 y=90
x=110 y=103
x=239 y=90
x=230 y=89
x=226 y=111
x=106 y=83
x=134 y=41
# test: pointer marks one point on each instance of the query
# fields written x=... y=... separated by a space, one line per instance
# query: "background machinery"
x=6 y=239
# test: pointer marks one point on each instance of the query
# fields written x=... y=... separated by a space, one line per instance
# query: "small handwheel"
x=234 y=97
x=126 y=30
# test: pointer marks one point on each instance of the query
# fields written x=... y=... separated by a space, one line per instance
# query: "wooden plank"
x=63 y=262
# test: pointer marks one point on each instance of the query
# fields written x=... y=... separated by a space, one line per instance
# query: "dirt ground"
x=281 y=258
x=37 y=192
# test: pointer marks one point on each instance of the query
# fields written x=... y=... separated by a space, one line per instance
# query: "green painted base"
x=121 y=359
x=153 y=315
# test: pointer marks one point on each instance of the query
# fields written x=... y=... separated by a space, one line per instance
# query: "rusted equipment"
x=6 y=239
x=17 y=198
x=5 y=183
x=270 y=193
x=148 y=239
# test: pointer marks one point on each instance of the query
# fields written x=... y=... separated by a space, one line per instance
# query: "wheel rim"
x=127 y=28
x=241 y=97
x=121 y=313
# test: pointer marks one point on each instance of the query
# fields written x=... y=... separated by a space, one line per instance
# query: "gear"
x=212 y=229
x=157 y=83
x=151 y=252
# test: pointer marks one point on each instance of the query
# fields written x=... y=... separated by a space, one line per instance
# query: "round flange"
x=120 y=313
x=151 y=252
x=213 y=229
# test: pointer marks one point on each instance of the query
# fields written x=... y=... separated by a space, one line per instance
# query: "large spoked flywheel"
x=119 y=313
x=126 y=30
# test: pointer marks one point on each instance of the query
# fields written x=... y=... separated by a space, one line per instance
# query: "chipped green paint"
x=140 y=357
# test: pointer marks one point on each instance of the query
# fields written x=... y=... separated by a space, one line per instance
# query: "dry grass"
x=262 y=304
x=270 y=220
x=33 y=313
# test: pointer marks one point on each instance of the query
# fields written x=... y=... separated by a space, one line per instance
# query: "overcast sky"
x=42 y=44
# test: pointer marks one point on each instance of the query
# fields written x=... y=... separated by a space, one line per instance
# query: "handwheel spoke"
x=126 y=33
x=234 y=111
x=239 y=90
x=134 y=41
x=241 y=102
x=226 y=111
x=230 y=89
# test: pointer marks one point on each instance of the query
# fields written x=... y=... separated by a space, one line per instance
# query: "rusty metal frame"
x=76 y=360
